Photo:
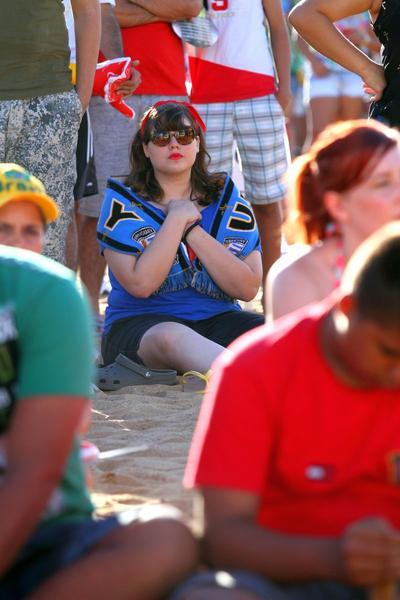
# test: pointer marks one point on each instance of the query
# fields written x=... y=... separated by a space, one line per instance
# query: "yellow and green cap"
x=17 y=184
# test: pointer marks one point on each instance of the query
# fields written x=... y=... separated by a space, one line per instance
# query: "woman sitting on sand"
x=182 y=247
x=342 y=190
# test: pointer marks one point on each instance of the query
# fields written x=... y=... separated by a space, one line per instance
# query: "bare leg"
x=351 y=108
x=144 y=560
x=175 y=346
x=91 y=264
x=323 y=112
x=297 y=131
x=269 y=221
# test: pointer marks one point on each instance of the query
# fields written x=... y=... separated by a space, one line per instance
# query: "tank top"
x=34 y=52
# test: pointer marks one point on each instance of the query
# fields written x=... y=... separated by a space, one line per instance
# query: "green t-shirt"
x=34 y=52
x=45 y=349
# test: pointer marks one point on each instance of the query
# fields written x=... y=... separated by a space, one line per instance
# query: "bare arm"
x=240 y=279
x=130 y=14
x=280 y=50
x=172 y=10
x=111 y=46
x=289 y=286
x=317 y=65
x=37 y=446
x=111 y=40
x=142 y=276
x=366 y=554
x=235 y=540
x=87 y=34
x=314 y=20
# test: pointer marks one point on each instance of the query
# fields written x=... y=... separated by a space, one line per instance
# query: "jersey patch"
x=235 y=245
x=144 y=236
x=242 y=218
x=118 y=213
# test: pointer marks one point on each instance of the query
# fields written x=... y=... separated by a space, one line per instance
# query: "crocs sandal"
x=194 y=381
x=124 y=372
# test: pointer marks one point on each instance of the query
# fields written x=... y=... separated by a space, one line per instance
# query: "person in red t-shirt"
x=297 y=448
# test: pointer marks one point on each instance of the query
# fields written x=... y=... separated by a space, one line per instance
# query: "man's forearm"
x=87 y=32
x=111 y=41
x=131 y=13
x=172 y=10
x=286 y=558
x=281 y=52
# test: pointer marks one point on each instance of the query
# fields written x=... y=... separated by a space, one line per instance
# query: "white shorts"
x=334 y=85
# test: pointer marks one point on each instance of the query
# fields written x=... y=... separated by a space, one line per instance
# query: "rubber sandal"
x=194 y=381
x=124 y=372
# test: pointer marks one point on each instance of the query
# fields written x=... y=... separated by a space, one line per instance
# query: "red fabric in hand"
x=108 y=77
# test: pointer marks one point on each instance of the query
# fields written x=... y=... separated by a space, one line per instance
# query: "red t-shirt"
x=161 y=55
x=278 y=423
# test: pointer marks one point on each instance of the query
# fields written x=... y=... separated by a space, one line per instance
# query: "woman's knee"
x=163 y=337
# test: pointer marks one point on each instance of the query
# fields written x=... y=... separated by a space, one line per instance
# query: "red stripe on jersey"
x=218 y=83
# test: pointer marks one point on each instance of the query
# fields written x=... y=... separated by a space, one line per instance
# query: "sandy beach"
x=161 y=417
x=157 y=416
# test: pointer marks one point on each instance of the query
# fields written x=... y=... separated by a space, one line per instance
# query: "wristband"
x=189 y=229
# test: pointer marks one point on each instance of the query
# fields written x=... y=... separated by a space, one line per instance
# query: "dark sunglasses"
x=183 y=136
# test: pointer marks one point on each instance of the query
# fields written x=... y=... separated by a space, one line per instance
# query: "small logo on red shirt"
x=319 y=473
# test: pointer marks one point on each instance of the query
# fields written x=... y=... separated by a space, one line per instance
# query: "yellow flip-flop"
x=194 y=381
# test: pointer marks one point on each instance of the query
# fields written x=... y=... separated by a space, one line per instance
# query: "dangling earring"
x=332 y=229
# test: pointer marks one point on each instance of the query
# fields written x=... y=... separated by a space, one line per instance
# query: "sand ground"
x=158 y=416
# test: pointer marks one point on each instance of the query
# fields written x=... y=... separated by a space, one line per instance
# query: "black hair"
x=376 y=287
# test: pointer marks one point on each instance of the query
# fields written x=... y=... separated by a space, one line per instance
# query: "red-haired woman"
x=341 y=191
x=314 y=20
x=181 y=245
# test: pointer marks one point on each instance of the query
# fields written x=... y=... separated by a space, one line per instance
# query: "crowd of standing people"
x=119 y=148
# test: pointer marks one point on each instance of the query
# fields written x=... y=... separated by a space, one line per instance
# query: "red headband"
x=190 y=108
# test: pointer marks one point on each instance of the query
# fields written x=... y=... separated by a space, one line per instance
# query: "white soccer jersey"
x=239 y=65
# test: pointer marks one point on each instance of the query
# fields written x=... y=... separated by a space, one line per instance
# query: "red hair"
x=340 y=158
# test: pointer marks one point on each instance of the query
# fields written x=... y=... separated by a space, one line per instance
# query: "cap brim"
x=46 y=205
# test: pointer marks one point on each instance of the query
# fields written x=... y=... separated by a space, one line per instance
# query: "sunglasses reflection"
x=183 y=136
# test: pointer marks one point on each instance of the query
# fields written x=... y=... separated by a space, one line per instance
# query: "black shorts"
x=86 y=180
x=125 y=335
